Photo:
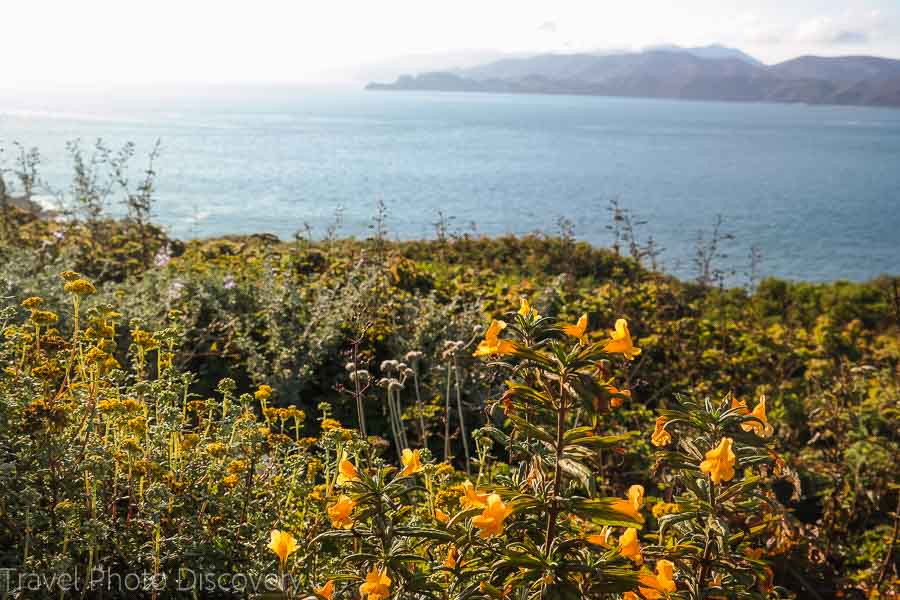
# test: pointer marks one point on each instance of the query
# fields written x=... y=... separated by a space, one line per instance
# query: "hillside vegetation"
x=466 y=417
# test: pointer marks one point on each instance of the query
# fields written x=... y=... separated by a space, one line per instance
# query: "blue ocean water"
x=816 y=189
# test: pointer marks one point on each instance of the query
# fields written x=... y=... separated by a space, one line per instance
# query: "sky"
x=78 y=42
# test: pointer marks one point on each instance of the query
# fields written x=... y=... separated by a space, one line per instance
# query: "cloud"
x=849 y=29
x=548 y=27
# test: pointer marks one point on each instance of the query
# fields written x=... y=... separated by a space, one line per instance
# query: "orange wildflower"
x=492 y=344
x=630 y=547
x=578 y=330
x=412 y=462
x=621 y=342
x=762 y=429
x=339 y=513
x=490 y=522
x=377 y=585
x=660 y=436
x=719 y=462
x=656 y=586
x=472 y=498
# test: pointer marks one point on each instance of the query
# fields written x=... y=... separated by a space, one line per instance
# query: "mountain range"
x=705 y=73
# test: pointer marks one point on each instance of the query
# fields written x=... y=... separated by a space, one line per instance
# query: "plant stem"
x=557 y=475
x=447 y=418
x=462 y=421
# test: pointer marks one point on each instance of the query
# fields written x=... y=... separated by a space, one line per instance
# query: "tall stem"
x=447 y=418
x=462 y=421
x=557 y=475
x=360 y=415
x=423 y=433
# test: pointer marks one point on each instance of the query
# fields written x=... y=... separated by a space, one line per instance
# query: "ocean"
x=816 y=190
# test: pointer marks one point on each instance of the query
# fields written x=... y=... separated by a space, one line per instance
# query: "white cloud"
x=847 y=29
x=548 y=27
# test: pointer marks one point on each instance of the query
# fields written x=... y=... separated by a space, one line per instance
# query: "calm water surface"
x=817 y=189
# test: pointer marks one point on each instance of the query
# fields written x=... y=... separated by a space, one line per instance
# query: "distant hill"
x=713 y=51
x=707 y=73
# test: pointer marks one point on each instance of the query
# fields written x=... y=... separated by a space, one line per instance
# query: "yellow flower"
x=616 y=396
x=472 y=498
x=664 y=508
x=440 y=516
x=660 y=436
x=32 y=303
x=339 y=513
x=492 y=344
x=282 y=544
x=80 y=287
x=719 y=462
x=621 y=342
x=263 y=392
x=630 y=596
x=377 y=585
x=526 y=311
x=740 y=406
x=412 y=463
x=326 y=591
x=636 y=496
x=490 y=522
x=452 y=556
x=655 y=586
x=761 y=429
x=346 y=472
x=627 y=508
x=630 y=547
x=578 y=329
x=602 y=538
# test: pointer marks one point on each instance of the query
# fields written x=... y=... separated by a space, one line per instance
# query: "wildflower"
x=630 y=547
x=452 y=557
x=346 y=472
x=626 y=507
x=602 y=538
x=578 y=329
x=630 y=596
x=412 y=463
x=655 y=586
x=472 y=498
x=326 y=591
x=660 y=436
x=215 y=449
x=490 y=522
x=492 y=344
x=282 y=544
x=636 y=496
x=329 y=424
x=230 y=481
x=526 y=311
x=441 y=517
x=80 y=287
x=719 y=462
x=617 y=396
x=621 y=342
x=664 y=508
x=762 y=429
x=263 y=392
x=44 y=317
x=740 y=406
x=32 y=303
x=339 y=513
x=377 y=585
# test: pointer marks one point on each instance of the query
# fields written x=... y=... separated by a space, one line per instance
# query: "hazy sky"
x=154 y=41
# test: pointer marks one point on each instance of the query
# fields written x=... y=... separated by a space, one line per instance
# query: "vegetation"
x=460 y=418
